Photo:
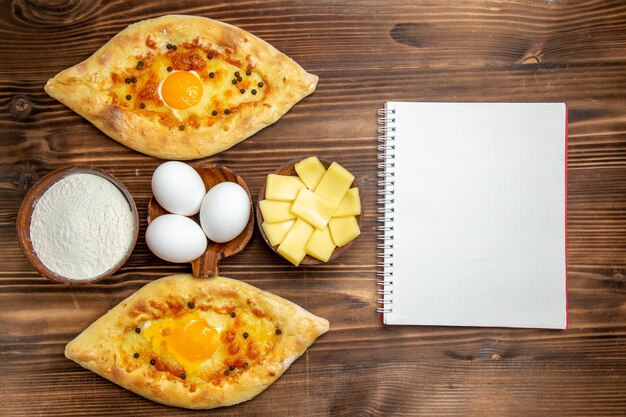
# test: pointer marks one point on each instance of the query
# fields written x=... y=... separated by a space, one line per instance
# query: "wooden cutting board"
x=365 y=53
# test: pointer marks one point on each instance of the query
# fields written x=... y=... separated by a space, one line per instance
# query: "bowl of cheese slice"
x=309 y=211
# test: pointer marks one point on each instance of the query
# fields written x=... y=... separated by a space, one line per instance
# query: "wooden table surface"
x=364 y=53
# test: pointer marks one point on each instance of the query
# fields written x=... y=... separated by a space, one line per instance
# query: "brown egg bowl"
x=207 y=264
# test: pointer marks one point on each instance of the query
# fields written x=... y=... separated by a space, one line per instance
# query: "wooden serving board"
x=207 y=265
x=365 y=53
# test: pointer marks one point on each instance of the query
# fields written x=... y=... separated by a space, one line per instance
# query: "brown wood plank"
x=365 y=52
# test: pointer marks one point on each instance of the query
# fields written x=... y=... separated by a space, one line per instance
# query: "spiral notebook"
x=472 y=212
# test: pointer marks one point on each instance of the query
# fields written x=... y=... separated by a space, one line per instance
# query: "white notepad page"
x=479 y=215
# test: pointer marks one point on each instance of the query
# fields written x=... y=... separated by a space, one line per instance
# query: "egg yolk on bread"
x=182 y=90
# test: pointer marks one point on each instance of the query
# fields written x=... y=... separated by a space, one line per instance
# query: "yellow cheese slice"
x=276 y=232
x=310 y=171
x=343 y=229
x=312 y=208
x=350 y=205
x=282 y=187
x=334 y=184
x=276 y=211
x=321 y=244
x=292 y=246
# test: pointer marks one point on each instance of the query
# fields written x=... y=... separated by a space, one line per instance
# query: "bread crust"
x=85 y=87
x=99 y=347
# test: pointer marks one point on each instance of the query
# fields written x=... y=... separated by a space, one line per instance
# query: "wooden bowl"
x=207 y=264
x=288 y=168
x=27 y=207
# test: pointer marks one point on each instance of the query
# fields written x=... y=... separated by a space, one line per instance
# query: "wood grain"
x=365 y=52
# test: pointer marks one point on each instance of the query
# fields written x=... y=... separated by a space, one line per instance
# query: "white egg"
x=225 y=212
x=175 y=238
x=178 y=188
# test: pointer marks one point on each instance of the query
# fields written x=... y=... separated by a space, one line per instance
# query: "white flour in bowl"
x=82 y=226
